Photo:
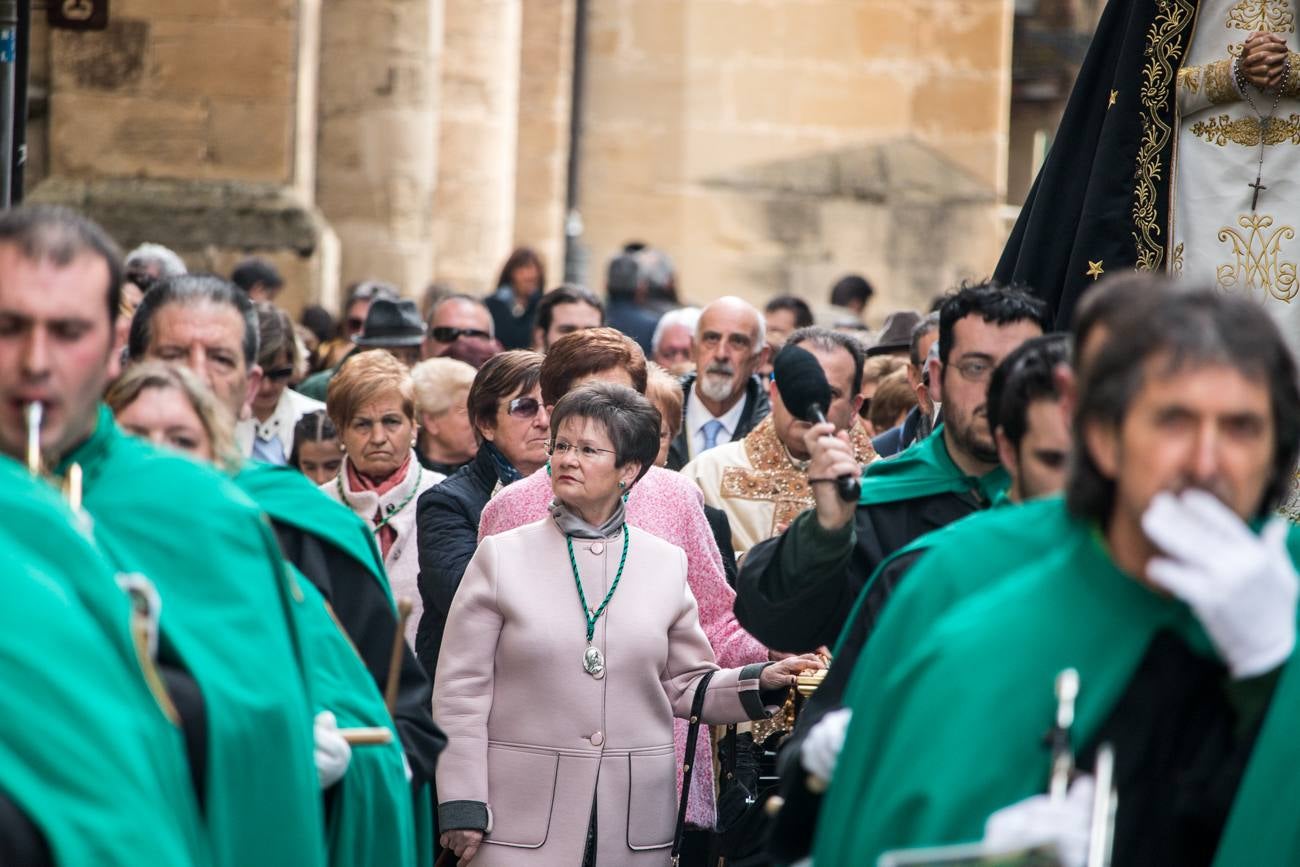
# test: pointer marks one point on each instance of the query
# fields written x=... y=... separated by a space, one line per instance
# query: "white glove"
x=1242 y=587
x=333 y=754
x=1040 y=821
x=821 y=749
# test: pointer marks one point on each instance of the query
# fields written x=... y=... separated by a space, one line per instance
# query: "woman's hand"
x=782 y=674
x=463 y=844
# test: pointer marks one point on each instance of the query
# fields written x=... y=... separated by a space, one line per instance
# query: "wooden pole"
x=395 y=660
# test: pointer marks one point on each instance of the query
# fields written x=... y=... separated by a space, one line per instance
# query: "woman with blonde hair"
x=371 y=401
x=198 y=425
x=447 y=440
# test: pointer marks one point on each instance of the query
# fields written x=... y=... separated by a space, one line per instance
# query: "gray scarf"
x=572 y=525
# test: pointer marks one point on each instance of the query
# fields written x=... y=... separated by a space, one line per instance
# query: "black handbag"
x=692 y=736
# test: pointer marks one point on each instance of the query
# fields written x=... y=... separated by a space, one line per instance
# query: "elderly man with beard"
x=724 y=399
x=795 y=591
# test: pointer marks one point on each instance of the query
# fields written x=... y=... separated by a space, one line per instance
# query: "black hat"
x=250 y=272
x=391 y=323
x=897 y=333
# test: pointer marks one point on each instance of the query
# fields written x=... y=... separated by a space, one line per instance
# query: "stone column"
x=193 y=125
x=377 y=162
x=474 y=210
x=542 y=157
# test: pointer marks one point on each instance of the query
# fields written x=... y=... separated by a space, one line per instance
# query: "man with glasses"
x=460 y=327
x=795 y=590
x=360 y=298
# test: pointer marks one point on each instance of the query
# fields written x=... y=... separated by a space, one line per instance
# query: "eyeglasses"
x=280 y=374
x=560 y=449
x=447 y=334
x=975 y=369
x=524 y=407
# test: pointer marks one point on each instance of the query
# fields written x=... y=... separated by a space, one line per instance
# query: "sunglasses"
x=524 y=407
x=279 y=374
x=447 y=334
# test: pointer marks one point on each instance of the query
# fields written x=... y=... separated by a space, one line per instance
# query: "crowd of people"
x=471 y=580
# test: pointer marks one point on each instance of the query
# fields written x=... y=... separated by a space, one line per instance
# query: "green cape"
x=226 y=616
x=923 y=470
x=954 y=731
x=290 y=498
x=370 y=820
x=85 y=749
x=962 y=558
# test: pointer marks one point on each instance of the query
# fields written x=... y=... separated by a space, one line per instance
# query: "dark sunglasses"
x=279 y=374
x=447 y=334
x=524 y=407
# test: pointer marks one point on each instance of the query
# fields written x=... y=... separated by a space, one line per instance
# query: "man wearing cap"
x=921 y=419
x=356 y=311
x=390 y=324
x=761 y=481
x=896 y=335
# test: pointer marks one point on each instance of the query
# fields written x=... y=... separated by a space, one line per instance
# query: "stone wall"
x=771 y=145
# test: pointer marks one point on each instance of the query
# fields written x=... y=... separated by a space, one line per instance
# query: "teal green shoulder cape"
x=954 y=731
x=289 y=497
x=370 y=819
x=962 y=558
x=924 y=470
x=86 y=750
x=226 y=616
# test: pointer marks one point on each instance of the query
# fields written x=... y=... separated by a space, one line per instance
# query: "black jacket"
x=795 y=590
x=894 y=440
x=634 y=320
x=756 y=409
x=514 y=332
x=446 y=520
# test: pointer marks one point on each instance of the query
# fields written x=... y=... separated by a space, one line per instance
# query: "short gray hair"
x=687 y=316
x=630 y=420
x=928 y=325
x=829 y=340
x=169 y=264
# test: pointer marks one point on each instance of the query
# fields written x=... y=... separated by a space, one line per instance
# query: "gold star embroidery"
x=1094 y=269
x=1114 y=97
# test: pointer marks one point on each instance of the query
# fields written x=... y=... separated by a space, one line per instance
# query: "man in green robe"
x=1178 y=617
x=209 y=326
x=92 y=770
x=225 y=620
x=794 y=591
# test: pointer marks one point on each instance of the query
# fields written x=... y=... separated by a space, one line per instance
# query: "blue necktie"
x=711 y=430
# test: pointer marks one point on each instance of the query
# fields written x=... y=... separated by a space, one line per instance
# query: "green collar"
x=924 y=470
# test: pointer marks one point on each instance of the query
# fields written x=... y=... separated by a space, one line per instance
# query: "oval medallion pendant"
x=593 y=663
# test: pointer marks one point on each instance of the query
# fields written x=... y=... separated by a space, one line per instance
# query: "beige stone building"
x=768 y=146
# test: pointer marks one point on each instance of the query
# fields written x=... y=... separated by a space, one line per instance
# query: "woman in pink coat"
x=570 y=646
x=663 y=504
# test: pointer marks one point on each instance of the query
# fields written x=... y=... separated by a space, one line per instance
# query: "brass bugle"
x=808 y=682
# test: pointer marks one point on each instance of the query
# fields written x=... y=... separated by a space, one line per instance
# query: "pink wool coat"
x=670 y=507
x=533 y=741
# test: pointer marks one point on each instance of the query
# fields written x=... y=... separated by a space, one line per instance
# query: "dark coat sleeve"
x=21 y=843
x=369 y=620
x=721 y=528
x=447 y=519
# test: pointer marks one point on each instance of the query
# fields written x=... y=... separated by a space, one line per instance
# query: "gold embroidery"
x=1114 y=98
x=1219 y=87
x=1271 y=15
x=1176 y=264
x=1245 y=131
x=1163 y=50
x=1189 y=79
x=1094 y=270
x=1291 y=87
x=1257 y=265
x=776 y=478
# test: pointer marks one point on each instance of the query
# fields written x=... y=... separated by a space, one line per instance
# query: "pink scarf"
x=385 y=535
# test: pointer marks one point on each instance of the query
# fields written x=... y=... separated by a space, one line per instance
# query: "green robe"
x=86 y=750
x=227 y=620
x=923 y=470
x=370 y=819
x=953 y=732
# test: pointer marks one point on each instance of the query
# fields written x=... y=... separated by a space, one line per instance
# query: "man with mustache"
x=724 y=399
x=795 y=590
x=1169 y=595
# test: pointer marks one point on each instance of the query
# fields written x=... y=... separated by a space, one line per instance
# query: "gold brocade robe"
x=758 y=484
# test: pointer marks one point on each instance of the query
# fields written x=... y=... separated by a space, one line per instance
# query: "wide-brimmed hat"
x=391 y=323
x=897 y=333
